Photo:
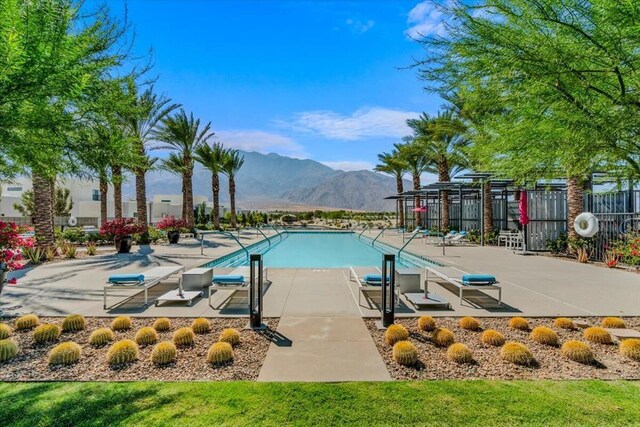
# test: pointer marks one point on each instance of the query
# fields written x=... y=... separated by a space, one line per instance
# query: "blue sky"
x=308 y=79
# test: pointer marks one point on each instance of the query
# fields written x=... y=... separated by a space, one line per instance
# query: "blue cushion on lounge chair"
x=126 y=278
x=228 y=278
x=373 y=278
x=478 y=279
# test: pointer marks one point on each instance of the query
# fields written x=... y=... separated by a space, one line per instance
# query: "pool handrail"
x=366 y=227
x=416 y=233
x=263 y=235
x=379 y=234
x=224 y=233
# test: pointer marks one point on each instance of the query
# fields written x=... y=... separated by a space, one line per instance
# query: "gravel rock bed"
x=488 y=364
x=31 y=364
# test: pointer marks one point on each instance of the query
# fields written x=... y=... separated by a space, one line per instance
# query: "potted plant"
x=172 y=226
x=10 y=251
x=121 y=230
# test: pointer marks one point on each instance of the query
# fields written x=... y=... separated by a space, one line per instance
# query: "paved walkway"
x=324 y=334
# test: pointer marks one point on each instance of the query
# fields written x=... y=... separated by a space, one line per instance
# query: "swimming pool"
x=319 y=250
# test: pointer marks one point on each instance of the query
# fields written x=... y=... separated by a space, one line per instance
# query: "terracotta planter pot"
x=173 y=236
x=123 y=244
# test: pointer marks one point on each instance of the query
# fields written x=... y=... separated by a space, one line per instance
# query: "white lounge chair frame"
x=237 y=287
x=454 y=275
x=366 y=287
x=152 y=277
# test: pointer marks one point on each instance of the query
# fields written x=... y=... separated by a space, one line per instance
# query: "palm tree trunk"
x=104 y=188
x=215 y=186
x=443 y=176
x=488 y=210
x=232 y=202
x=43 y=211
x=141 y=196
x=116 y=172
x=416 y=187
x=574 y=203
x=400 y=189
x=187 y=200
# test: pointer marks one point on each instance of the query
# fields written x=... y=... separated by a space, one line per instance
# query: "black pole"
x=506 y=209
x=255 y=291
x=388 y=289
x=460 y=207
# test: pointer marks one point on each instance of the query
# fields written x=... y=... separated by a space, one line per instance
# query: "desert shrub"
x=544 y=335
x=613 y=323
x=564 y=323
x=442 y=337
x=70 y=251
x=577 y=351
x=122 y=352
x=469 y=323
x=220 y=352
x=5 y=331
x=46 y=333
x=8 y=350
x=73 y=323
x=492 y=337
x=183 y=337
x=597 y=335
x=28 y=321
x=50 y=253
x=34 y=255
x=146 y=336
x=201 y=325
x=519 y=323
x=630 y=348
x=517 y=353
x=395 y=333
x=426 y=323
x=101 y=336
x=405 y=353
x=92 y=249
x=74 y=235
x=121 y=323
x=162 y=324
x=66 y=353
x=231 y=336
x=164 y=353
x=459 y=353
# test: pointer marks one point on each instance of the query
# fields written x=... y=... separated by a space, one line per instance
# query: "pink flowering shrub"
x=121 y=227
x=171 y=223
x=10 y=248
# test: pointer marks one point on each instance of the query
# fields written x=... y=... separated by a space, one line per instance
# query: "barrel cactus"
x=101 y=336
x=426 y=323
x=564 y=323
x=183 y=337
x=146 y=336
x=74 y=323
x=544 y=335
x=405 y=353
x=66 y=353
x=395 y=333
x=517 y=353
x=519 y=323
x=459 y=353
x=162 y=324
x=613 y=323
x=577 y=351
x=28 y=321
x=122 y=352
x=164 y=353
x=630 y=348
x=8 y=350
x=46 y=333
x=597 y=335
x=5 y=331
x=201 y=326
x=220 y=352
x=442 y=337
x=121 y=323
x=492 y=337
x=469 y=323
x=231 y=336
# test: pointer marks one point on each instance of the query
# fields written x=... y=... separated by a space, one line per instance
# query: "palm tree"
x=412 y=156
x=392 y=164
x=231 y=164
x=148 y=109
x=212 y=157
x=183 y=133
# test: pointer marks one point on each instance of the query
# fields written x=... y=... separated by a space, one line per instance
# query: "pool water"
x=319 y=250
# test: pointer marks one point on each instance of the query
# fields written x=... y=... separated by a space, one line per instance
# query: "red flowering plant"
x=627 y=250
x=11 y=245
x=120 y=227
x=171 y=223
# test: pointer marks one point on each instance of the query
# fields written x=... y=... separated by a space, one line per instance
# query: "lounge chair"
x=464 y=281
x=145 y=280
x=369 y=279
x=236 y=281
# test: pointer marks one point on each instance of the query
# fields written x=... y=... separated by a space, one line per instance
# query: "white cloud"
x=358 y=26
x=350 y=165
x=363 y=123
x=425 y=20
x=262 y=142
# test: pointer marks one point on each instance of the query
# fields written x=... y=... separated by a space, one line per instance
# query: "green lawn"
x=248 y=403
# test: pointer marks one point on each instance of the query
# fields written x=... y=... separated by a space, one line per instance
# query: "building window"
x=96 y=195
x=14 y=188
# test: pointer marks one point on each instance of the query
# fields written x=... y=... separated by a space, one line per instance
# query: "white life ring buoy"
x=72 y=221
x=586 y=224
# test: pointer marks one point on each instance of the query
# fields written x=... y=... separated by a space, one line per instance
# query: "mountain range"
x=271 y=181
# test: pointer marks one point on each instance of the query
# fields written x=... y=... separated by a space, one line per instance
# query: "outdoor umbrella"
x=524 y=216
